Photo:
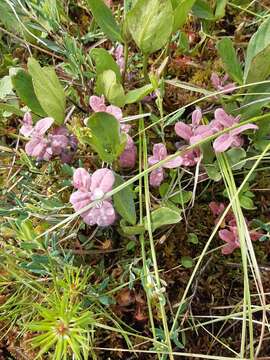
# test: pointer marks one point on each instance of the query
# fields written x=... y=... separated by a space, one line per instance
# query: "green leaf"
x=220 y=9
x=213 y=172
x=108 y=86
x=23 y=85
x=193 y=238
x=8 y=19
x=105 y=136
x=187 y=262
x=105 y=19
x=182 y=198
x=11 y=109
x=104 y=61
x=236 y=155
x=174 y=3
x=48 y=90
x=5 y=86
x=163 y=216
x=202 y=9
x=228 y=56
x=253 y=103
x=124 y=202
x=163 y=189
x=246 y=202
x=181 y=13
x=131 y=230
x=138 y=94
x=261 y=136
x=150 y=23
x=257 y=65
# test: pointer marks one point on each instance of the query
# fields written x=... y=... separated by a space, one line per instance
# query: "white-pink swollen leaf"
x=81 y=179
x=80 y=199
x=102 y=179
x=243 y=128
x=36 y=147
x=42 y=126
x=102 y=215
x=223 y=142
x=156 y=177
x=183 y=130
x=27 y=126
x=97 y=103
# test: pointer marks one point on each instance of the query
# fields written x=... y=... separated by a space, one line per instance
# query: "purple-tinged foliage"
x=222 y=84
x=160 y=153
x=43 y=147
x=232 y=138
x=119 y=57
x=229 y=231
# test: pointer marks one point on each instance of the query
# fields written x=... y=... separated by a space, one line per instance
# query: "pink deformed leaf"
x=156 y=177
x=114 y=111
x=231 y=238
x=229 y=88
x=219 y=83
x=97 y=103
x=191 y=157
x=223 y=142
x=102 y=215
x=183 y=130
x=196 y=117
x=81 y=179
x=159 y=151
x=102 y=179
x=128 y=157
x=224 y=119
x=58 y=143
x=215 y=80
x=200 y=133
x=27 y=127
x=174 y=163
x=216 y=208
x=42 y=126
x=243 y=128
x=80 y=199
x=119 y=56
x=36 y=147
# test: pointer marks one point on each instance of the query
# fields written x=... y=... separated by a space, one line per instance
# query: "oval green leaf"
x=104 y=61
x=105 y=19
x=108 y=86
x=23 y=85
x=124 y=202
x=48 y=90
x=229 y=58
x=105 y=136
x=163 y=216
x=257 y=67
x=150 y=23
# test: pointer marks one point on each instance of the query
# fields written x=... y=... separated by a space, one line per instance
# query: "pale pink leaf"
x=81 y=179
x=42 y=126
x=97 y=103
x=102 y=179
x=183 y=130
x=223 y=142
x=156 y=177
x=196 y=117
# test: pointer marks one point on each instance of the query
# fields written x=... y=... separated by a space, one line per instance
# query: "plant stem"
x=142 y=238
x=158 y=287
x=145 y=65
x=126 y=62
